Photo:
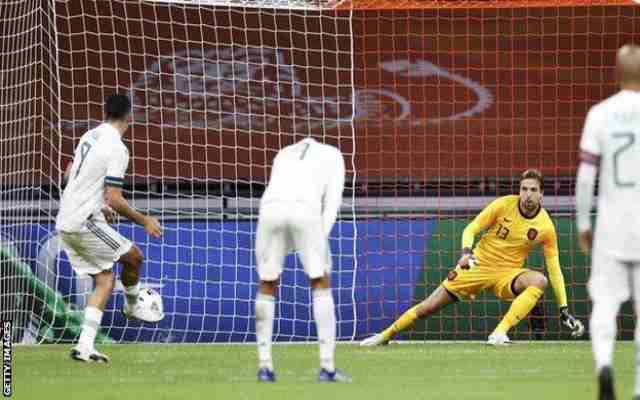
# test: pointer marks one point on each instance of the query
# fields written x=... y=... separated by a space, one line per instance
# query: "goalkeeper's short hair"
x=533 y=173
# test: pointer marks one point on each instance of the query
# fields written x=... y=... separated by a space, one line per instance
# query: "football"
x=150 y=302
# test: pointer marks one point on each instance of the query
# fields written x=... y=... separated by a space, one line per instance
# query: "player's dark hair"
x=117 y=106
x=533 y=174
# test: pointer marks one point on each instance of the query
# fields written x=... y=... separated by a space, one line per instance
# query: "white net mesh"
x=451 y=100
x=217 y=91
x=28 y=158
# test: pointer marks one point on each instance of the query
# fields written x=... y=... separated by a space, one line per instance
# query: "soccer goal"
x=437 y=106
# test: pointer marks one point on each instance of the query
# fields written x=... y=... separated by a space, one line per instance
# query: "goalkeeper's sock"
x=519 y=309
x=131 y=293
x=90 y=325
x=405 y=321
x=325 y=316
x=265 y=311
x=602 y=327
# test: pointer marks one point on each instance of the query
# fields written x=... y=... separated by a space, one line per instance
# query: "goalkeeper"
x=513 y=225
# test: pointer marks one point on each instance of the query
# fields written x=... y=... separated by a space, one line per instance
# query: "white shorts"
x=95 y=248
x=284 y=227
x=612 y=279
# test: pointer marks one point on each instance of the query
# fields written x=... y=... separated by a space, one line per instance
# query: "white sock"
x=603 y=326
x=131 y=293
x=90 y=325
x=265 y=311
x=324 y=314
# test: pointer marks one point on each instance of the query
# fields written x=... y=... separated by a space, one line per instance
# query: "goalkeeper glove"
x=571 y=322
x=467 y=260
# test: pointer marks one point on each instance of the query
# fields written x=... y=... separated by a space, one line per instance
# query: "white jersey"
x=310 y=173
x=612 y=132
x=100 y=159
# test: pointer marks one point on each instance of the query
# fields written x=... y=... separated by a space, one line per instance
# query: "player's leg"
x=460 y=284
x=265 y=312
x=115 y=247
x=85 y=350
x=271 y=249
x=438 y=299
x=325 y=318
x=313 y=249
x=527 y=287
x=130 y=277
x=91 y=255
x=609 y=287
x=131 y=262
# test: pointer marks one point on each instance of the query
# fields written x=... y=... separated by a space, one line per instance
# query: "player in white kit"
x=611 y=143
x=93 y=192
x=297 y=212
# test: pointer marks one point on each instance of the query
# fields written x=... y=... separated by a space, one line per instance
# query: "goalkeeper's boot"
x=79 y=353
x=266 y=375
x=375 y=340
x=605 y=383
x=499 y=339
x=336 y=376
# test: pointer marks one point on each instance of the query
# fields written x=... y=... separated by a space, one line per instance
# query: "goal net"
x=29 y=160
x=436 y=105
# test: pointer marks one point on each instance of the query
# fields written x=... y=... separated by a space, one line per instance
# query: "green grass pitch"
x=430 y=370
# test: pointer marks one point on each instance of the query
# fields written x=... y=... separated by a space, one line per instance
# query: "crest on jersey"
x=532 y=234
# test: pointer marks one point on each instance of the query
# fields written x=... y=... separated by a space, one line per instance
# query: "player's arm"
x=482 y=221
x=115 y=200
x=113 y=183
x=333 y=195
x=585 y=181
x=552 y=261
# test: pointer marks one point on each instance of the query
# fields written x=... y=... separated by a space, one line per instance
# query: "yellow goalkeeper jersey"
x=509 y=236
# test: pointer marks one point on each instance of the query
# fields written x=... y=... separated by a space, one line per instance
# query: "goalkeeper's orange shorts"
x=467 y=284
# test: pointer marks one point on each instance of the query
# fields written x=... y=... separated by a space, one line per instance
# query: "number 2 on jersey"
x=629 y=139
x=84 y=150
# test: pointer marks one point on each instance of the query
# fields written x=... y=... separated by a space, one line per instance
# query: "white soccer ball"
x=150 y=305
